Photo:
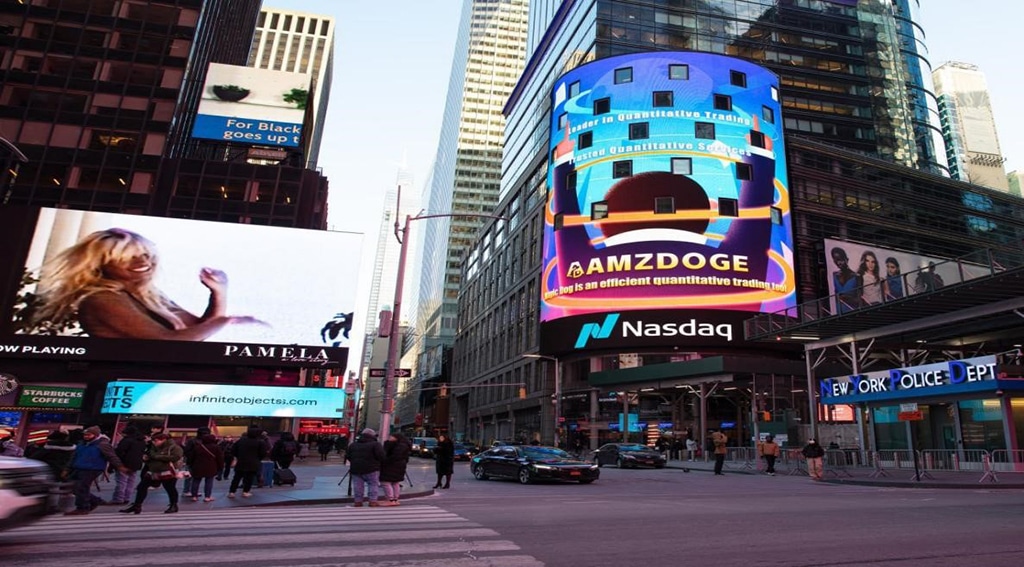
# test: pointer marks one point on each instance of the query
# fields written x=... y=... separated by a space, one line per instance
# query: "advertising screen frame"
x=620 y=275
x=296 y=314
x=252 y=106
x=129 y=397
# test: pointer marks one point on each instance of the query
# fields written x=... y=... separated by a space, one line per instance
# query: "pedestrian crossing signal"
x=522 y=393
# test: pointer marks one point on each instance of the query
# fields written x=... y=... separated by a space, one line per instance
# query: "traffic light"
x=766 y=415
x=444 y=391
x=522 y=392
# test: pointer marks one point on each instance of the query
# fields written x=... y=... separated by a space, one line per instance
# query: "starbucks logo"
x=8 y=384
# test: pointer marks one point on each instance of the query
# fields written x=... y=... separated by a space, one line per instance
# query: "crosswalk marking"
x=416 y=536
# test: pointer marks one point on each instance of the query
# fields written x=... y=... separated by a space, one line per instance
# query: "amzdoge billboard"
x=668 y=218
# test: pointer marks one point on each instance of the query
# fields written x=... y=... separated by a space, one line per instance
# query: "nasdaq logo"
x=596 y=331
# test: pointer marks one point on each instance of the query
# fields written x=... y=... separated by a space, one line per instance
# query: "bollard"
x=990 y=475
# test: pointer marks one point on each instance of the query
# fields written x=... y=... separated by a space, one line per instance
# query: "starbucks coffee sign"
x=51 y=397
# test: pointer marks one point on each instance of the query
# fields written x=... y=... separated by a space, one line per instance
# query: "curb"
x=912 y=484
x=319 y=501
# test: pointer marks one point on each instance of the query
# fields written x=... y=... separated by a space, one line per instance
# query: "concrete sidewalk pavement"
x=866 y=476
x=316 y=483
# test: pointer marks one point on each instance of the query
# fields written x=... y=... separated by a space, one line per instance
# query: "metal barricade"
x=794 y=461
x=741 y=457
x=1003 y=460
x=952 y=459
x=836 y=462
x=894 y=459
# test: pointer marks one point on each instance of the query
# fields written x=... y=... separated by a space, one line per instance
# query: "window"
x=559 y=221
x=744 y=172
x=682 y=166
x=602 y=106
x=679 y=72
x=728 y=207
x=563 y=119
x=570 y=181
x=737 y=78
x=776 y=215
x=723 y=102
x=775 y=93
x=574 y=89
x=704 y=130
x=622 y=169
x=584 y=140
x=768 y=115
x=664 y=205
x=623 y=75
x=757 y=139
x=639 y=131
x=599 y=210
x=663 y=99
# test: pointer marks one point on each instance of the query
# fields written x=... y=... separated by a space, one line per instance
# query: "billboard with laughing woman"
x=105 y=286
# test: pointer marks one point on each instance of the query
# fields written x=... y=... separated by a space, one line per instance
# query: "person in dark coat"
x=130 y=450
x=324 y=447
x=92 y=457
x=163 y=459
x=57 y=453
x=225 y=446
x=365 y=457
x=444 y=454
x=207 y=460
x=392 y=472
x=286 y=448
x=248 y=452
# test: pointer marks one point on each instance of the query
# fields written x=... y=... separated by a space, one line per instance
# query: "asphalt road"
x=644 y=518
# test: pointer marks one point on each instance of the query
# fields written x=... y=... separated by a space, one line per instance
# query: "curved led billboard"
x=668 y=219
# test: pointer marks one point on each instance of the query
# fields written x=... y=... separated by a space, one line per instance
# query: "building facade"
x=969 y=126
x=863 y=148
x=489 y=54
x=298 y=42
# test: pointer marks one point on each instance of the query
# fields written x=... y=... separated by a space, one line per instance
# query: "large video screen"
x=128 y=397
x=862 y=275
x=252 y=106
x=105 y=286
x=668 y=218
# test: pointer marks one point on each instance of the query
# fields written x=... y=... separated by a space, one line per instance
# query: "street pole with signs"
x=557 y=395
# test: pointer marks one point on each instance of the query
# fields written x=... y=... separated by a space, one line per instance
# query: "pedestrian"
x=8 y=448
x=392 y=471
x=770 y=451
x=341 y=445
x=130 y=449
x=226 y=446
x=677 y=449
x=248 y=452
x=365 y=457
x=190 y=448
x=284 y=452
x=719 y=440
x=265 y=476
x=324 y=447
x=92 y=456
x=163 y=463
x=303 y=451
x=814 y=452
x=207 y=461
x=57 y=452
x=444 y=457
x=691 y=448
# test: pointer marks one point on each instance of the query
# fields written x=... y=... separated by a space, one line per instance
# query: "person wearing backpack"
x=285 y=450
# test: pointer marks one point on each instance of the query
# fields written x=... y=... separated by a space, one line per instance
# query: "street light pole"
x=558 y=392
x=387 y=406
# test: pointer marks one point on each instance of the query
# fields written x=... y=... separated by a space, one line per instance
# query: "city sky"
x=392 y=61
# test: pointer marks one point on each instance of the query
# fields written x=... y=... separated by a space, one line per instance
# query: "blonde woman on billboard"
x=105 y=281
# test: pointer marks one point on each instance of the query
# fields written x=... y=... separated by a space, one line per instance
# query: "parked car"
x=27 y=491
x=465 y=451
x=530 y=463
x=628 y=455
x=424 y=446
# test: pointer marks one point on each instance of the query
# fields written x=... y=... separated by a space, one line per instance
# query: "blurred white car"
x=26 y=491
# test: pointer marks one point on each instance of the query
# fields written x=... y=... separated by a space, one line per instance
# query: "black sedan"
x=530 y=463
x=628 y=455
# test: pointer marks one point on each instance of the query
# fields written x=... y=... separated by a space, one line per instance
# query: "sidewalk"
x=316 y=483
x=901 y=478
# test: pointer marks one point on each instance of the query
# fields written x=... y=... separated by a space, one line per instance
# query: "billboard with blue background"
x=174 y=398
x=667 y=201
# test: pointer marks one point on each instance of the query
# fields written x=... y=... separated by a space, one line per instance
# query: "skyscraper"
x=298 y=42
x=489 y=55
x=969 y=126
x=94 y=108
